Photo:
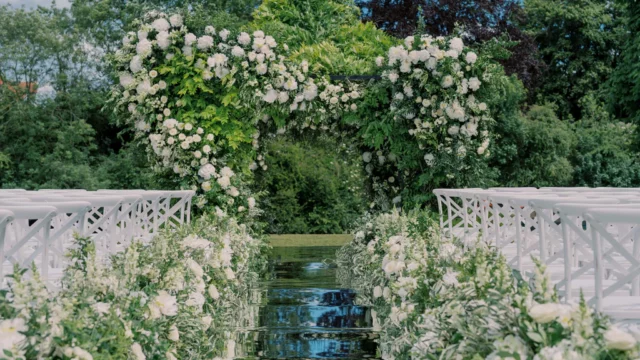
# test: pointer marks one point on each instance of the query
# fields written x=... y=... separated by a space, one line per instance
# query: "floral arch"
x=203 y=103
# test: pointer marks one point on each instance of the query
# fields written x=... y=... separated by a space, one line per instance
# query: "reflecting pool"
x=302 y=313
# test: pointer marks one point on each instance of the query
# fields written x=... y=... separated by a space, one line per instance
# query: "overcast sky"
x=34 y=3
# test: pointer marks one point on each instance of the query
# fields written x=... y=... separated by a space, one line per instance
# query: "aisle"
x=306 y=315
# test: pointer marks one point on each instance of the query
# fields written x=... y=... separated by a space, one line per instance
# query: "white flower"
x=258 y=34
x=226 y=171
x=617 y=339
x=261 y=69
x=544 y=313
x=189 y=39
x=195 y=267
x=229 y=273
x=408 y=41
x=195 y=299
x=244 y=38
x=163 y=40
x=160 y=25
x=377 y=292
x=101 y=307
x=224 y=34
x=80 y=353
x=136 y=64
x=224 y=182
x=136 y=349
x=474 y=84
x=429 y=159
x=206 y=171
x=447 y=81
x=176 y=20
x=213 y=292
x=456 y=44
x=366 y=156
x=270 y=96
x=233 y=191
x=237 y=51
x=10 y=337
x=471 y=57
x=205 y=42
x=310 y=92
x=143 y=48
x=126 y=79
x=210 y=30
x=206 y=321
x=163 y=304
x=379 y=61
x=393 y=76
x=174 y=334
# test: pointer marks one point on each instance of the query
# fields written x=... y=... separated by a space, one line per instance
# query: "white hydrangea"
x=176 y=20
x=205 y=42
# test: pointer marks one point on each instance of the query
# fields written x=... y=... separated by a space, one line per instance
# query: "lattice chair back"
x=622 y=244
x=26 y=238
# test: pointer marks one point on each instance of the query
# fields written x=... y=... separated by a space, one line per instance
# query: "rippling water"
x=304 y=314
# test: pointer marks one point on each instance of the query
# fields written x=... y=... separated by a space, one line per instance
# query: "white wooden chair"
x=615 y=235
x=26 y=237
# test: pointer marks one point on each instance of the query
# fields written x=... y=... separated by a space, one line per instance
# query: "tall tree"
x=624 y=94
x=579 y=41
x=482 y=20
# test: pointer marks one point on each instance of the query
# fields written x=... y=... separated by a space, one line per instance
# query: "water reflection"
x=302 y=312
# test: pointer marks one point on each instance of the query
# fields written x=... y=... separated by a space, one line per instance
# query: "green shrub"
x=310 y=188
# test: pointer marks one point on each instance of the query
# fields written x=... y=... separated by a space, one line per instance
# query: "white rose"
x=174 y=334
x=617 y=339
x=136 y=349
x=544 y=313
x=471 y=57
x=213 y=292
x=377 y=292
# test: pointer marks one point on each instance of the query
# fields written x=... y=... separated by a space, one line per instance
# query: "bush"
x=310 y=188
x=604 y=154
x=535 y=148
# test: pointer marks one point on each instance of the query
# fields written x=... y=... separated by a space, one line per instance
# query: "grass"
x=309 y=240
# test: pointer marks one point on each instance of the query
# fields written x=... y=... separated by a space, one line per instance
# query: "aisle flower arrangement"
x=437 y=298
x=171 y=298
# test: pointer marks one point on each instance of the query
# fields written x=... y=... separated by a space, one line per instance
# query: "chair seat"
x=622 y=307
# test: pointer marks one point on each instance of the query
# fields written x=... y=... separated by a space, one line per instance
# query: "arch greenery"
x=204 y=101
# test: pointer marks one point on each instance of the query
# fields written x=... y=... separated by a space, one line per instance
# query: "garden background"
x=566 y=112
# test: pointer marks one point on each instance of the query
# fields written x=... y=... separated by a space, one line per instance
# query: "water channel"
x=305 y=314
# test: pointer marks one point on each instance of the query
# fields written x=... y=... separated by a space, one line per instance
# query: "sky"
x=34 y=3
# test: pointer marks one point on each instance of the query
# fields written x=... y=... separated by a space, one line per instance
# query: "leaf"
x=535 y=337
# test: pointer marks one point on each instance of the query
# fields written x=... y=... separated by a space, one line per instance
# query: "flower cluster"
x=166 y=299
x=439 y=298
x=202 y=103
x=434 y=84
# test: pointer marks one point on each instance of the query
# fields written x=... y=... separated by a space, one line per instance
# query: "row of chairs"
x=39 y=226
x=587 y=237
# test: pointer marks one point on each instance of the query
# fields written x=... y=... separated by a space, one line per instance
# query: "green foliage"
x=624 y=95
x=579 y=41
x=534 y=149
x=604 y=154
x=328 y=34
x=310 y=188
